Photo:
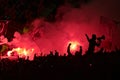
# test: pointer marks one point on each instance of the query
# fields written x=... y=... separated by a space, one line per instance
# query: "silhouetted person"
x=100 y=38
x=80 y=51
x=35 y=56
x=68 y=50
x=64 y=54
x=101 y=50
x=93 y=43
x=56 y=53
x=51 y=53
x=27 y=57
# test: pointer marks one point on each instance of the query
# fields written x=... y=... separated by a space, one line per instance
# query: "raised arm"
x=68 y=49
x=87 y=37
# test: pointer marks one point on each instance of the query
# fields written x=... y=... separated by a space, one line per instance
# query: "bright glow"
x=21 y=52
x=9 y=53
x=74 y=45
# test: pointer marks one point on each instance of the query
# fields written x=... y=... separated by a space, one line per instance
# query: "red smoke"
x=43 y=36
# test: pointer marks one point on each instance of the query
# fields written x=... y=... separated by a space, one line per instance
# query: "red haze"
x=71 y=26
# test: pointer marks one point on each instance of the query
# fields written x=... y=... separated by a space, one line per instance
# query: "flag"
x=107 y=21
x=3 y=27
x=111 y=25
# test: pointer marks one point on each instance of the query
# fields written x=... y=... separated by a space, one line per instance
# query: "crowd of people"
x=99 y=65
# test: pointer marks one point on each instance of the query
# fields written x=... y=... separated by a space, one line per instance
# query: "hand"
x=86 y=35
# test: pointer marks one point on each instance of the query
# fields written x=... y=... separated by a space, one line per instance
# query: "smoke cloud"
x=71 y=25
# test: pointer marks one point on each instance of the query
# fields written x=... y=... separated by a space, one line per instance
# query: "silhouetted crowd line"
x=101 y=65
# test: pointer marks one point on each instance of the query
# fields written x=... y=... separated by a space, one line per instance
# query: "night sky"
x=26 y=10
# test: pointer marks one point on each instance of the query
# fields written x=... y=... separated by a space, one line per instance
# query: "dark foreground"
x=100 y=66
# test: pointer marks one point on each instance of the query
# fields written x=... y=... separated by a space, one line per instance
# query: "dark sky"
x=25 y=10
x=110 y=8
x=22 y=10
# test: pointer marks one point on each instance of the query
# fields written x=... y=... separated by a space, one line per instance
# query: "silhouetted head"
x=69 y=44
x=103 y=37
x=93 y=36
x=80 y=47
